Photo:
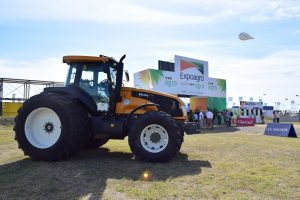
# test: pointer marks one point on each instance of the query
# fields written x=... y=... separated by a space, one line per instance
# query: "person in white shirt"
x=201 y=119
x=209 y=116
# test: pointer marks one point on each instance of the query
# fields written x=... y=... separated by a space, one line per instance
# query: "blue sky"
x=35 y=35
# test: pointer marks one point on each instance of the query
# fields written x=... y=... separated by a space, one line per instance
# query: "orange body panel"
x=129 y=102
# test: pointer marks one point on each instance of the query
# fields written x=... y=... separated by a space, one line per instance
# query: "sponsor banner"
x=283 y=130
x=189 y=78
x=251 y=105
x=169 y=82
x=245 y=122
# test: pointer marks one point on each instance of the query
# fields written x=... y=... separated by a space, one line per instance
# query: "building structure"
x=13 y=92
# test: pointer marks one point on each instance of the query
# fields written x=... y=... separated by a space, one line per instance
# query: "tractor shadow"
x=86 y=174
x=219 y=129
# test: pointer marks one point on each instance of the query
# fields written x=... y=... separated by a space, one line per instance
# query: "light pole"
x=297 y=96
x=261 y=99
x=286 y=107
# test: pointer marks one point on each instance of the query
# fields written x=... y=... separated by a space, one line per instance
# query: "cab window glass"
x=113 y=75
x=71 y=75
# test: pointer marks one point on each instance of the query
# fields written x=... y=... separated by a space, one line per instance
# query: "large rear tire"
x=51 y=127
x=155 y=137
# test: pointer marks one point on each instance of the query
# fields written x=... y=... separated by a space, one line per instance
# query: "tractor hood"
x=133 y=97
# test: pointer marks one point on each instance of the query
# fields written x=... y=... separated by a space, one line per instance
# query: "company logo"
x=186 y=65
x=143 y=95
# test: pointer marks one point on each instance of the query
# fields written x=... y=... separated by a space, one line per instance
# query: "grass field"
x=225 y=165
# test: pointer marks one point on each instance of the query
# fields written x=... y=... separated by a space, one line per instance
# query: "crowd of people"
x=207 y=118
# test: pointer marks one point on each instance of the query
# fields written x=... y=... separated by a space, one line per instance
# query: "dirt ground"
x=235 y=163
x=7 y=121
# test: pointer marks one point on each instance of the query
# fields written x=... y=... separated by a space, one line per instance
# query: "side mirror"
x=126 y=75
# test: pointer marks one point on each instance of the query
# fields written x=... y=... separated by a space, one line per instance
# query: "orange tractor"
x=93 y=108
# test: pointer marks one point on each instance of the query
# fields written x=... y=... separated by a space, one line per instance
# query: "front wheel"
x=155 y=137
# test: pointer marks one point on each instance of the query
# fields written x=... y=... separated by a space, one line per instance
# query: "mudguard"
x=75 y=93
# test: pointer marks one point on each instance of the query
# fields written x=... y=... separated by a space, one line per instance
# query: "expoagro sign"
x=190 y=77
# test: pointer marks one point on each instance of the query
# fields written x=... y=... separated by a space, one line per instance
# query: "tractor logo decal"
x=186 y=65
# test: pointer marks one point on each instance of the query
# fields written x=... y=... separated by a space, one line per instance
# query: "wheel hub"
x=49 y=127
x=43 y=128
x=155 y=137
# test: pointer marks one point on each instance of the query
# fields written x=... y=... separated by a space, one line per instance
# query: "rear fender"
x=74 y=93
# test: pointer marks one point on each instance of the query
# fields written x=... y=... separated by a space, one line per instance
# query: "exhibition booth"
x=187 y=78
x=250 y=113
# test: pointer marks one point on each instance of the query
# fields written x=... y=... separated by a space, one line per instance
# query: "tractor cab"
x=100 y=77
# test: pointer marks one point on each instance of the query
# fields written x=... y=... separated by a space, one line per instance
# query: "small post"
x=1 y=96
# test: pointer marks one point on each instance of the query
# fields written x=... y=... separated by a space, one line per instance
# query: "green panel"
x=216 y=103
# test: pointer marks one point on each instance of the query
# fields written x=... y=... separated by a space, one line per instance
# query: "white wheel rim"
x=154 y=138
x=42 y=128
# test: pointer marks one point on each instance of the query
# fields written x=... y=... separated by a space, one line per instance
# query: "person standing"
x=262 y=116
x=196 y=116
x=229 y=117
x=219 y=118
x=225 y=117
x=277 y=116
x=190 y=115
x=204 y=119
x=274 y=117
x=209 y=116
x=201 y=117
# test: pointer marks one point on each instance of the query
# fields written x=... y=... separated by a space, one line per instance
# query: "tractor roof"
x=87 y=59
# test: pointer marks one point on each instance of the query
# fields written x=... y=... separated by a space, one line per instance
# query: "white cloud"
x=48 y=69
x=93 y=10
x=136 y=12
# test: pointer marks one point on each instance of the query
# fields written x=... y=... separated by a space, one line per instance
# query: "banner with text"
x=251 y=105
x=189 y=78
x=283 y=130
x=245 y=122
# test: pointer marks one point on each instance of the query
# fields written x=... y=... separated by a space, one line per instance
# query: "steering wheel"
x=104 y=84
x=87 y=83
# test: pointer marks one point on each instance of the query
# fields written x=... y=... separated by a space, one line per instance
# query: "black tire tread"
x=162 y=118
x=78 y=126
